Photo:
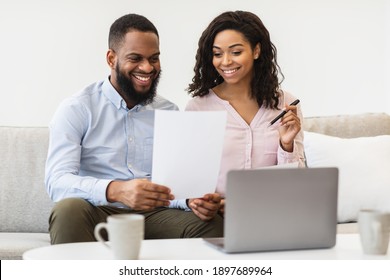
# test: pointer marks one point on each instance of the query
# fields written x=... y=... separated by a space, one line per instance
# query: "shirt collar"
x=111 y=93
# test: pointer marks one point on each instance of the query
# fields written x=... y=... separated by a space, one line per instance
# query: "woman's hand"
x=222 y=207
x=290 y=125
x=206 y=207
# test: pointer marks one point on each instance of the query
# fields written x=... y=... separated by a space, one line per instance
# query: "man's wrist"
x=111 y=191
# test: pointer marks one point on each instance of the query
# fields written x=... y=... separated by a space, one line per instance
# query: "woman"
x=236 y=70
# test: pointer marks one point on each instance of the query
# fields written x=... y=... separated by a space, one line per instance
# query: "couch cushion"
x=347 y=228
x=13 y=245
x=349 y=126
x=364 y=164
x=24 y=203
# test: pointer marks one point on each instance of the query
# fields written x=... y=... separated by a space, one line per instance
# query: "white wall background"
x=335 y=54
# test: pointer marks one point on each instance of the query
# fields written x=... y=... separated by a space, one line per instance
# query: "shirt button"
x=129 y=165
x=130 y=139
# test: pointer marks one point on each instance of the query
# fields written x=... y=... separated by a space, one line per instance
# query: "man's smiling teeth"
x=230 y=71
x=144 y=79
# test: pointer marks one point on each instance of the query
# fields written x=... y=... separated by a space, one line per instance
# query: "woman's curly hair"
x=265 y=83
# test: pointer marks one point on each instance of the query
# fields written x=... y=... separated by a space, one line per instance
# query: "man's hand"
x=139 y=194
x=206 y=207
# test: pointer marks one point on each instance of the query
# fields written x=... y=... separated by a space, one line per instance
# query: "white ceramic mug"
x=125 y=234
x=374 y=231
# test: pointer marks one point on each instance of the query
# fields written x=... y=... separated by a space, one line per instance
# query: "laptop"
x=279 y=209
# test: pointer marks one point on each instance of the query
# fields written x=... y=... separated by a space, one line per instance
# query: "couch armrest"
x=349 y=126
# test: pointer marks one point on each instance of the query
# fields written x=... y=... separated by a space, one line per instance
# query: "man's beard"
x=127 y=88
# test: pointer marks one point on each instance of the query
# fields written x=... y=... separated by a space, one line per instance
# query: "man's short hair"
x=126 y=23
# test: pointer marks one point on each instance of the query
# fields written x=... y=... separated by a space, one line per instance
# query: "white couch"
x=25 y=205
x=359 y=146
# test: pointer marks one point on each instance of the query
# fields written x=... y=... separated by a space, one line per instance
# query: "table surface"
x=347 y=247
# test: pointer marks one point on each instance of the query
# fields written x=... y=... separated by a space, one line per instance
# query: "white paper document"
x=187 y=151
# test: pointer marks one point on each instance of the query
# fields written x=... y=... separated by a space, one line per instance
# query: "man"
x=100 y=153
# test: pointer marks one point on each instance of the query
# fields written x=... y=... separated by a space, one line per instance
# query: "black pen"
x=282 y=113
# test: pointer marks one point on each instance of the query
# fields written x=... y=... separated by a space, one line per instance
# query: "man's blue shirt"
x=95 y=139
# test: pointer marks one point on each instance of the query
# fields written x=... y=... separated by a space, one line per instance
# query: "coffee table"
x=347 y=247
